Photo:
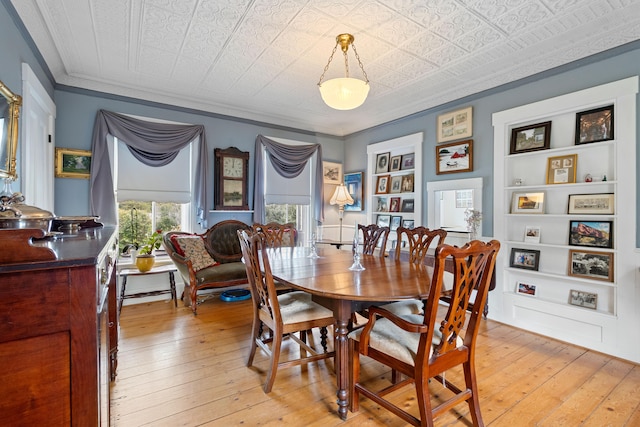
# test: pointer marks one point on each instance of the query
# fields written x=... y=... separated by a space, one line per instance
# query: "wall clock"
x=231 y=187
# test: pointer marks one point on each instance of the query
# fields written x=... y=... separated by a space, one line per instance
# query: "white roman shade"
x=136 y=181
x=292 y=191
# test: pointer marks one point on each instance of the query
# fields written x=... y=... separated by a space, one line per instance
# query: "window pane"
x=138 y=220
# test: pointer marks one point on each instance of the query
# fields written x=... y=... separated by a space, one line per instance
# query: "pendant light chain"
x=326 y=67
x=366 y=79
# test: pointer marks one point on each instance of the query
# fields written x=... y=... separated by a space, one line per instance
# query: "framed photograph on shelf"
x=591 y=204
x=408 y=161
x=455 y=125
x=527 y=203
x=594 y=125
x=381 y=205
x=526 y=259
x=395 y=163
x=332 y=172
x=383 y=220
x=591 y=264
x=532 y=234
x=395 y=222
x=382 y=162
x=408 y=223
x=454 y=157
x=396 y=184
x=394 y=204
x=530 y=138
x=407 y=205
x=583 y=299
x=596 y=234
x=407 y=183
x=353 y=181
x=382 y=184
x=523 y=288
x=71 y=163
x=562 y=169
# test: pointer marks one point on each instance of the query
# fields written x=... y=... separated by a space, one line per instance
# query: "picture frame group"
x=591 y=265
x=386 y=163
x=527 y=259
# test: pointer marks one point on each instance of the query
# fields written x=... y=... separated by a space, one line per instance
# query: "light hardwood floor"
x=177 y=369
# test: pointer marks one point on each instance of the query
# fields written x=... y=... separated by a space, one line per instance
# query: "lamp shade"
x=345 y=93
x=341 y=196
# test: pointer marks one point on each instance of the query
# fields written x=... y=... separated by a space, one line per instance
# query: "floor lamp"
x=341 y=197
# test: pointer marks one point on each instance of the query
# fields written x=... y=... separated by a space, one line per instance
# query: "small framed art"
x=591 y=204
x=530 y=138
x=353 y=182
x=528 y=289
x=382 y=184
x=594 y=125
x=395 y=163
x=395 y=222
x=532 y=234
x=583 y=299
x=408 y=161
x=383 y=220
x=408 y=223
x=562 y=169
x=396 y=184
x=407 y=205
x=528 y=203
x=332 y=172
x=394 y=205
x=526 y=259
x=455 y=125
x=596 y=234
x=591 y=264
x=454 y=157
x=382 y=162
x=407 y=183
x=71 y=163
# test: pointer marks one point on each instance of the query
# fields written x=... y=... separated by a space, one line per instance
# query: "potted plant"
x=146 y=258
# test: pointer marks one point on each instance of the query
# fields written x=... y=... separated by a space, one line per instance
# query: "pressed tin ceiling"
x=262 y=59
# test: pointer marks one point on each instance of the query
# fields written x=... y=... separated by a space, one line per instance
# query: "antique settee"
x=209 y=260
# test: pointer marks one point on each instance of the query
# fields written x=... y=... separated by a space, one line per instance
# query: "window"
x=139 y=219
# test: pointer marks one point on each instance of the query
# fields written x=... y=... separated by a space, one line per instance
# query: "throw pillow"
x=176 y=245
x=194 y=251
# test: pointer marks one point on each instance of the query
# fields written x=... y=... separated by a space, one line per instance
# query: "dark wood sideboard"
x=58 y=327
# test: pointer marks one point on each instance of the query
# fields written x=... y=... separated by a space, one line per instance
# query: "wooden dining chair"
x=283 y=314
x=426 y=346
x=419 y=240
x=277 y=235
x=374 y=237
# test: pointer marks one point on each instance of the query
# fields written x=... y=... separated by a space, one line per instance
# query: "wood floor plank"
x=179 y=369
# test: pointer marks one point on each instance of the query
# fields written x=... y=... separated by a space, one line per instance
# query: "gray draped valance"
x=288 y=161
x=154 y=144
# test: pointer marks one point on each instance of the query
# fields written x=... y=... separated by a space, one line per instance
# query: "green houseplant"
x=146 y=258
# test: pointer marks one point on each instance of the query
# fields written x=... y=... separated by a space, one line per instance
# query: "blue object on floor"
x=235 y=295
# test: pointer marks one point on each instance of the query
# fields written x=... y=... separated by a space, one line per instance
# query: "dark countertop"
x=84 y=247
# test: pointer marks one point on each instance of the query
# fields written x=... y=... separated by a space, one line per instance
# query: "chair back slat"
x=373 y=236
x=263 y=290
x=277 y=235
x=419 y=240
x=473 y=266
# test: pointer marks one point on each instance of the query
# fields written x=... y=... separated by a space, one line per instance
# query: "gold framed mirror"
x=9 y=113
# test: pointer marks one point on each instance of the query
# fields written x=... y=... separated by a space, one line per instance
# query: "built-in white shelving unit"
x=549 y=311
x=411 y=200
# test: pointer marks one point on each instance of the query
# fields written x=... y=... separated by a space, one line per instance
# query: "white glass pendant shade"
x=344 y=93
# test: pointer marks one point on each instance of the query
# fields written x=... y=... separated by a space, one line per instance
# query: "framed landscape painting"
x=71 y=163
x=591 y=264
x=454 y=157
x=597 y=234
x=530 y=138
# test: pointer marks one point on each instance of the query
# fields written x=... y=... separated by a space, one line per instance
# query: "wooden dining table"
x=334 y=286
